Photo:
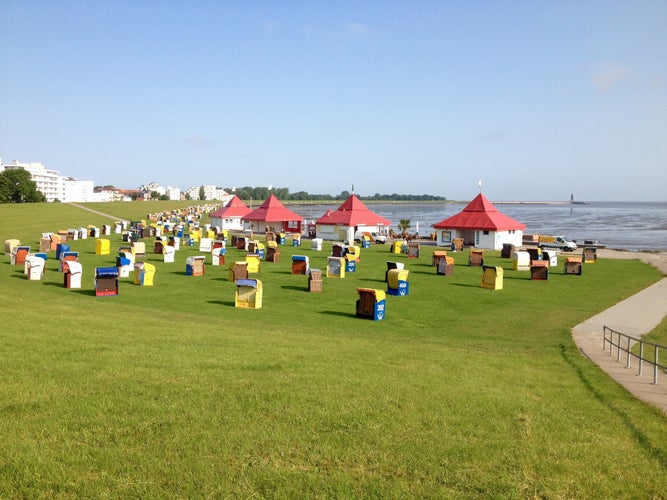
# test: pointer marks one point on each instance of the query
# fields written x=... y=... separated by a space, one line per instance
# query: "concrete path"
x=101 y=214
x=635 y=316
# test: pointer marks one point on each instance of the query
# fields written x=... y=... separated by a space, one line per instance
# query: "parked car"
x=375 y=237
x=557 y=242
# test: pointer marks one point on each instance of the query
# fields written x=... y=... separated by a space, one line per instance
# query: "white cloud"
x=606 y=75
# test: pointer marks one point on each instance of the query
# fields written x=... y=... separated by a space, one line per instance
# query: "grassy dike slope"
x=170 y=391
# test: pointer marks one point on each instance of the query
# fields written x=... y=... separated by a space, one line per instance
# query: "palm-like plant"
x=404 y=225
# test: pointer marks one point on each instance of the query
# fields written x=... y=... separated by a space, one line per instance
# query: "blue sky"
x=536 y=99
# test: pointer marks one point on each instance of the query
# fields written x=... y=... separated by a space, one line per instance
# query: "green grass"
x=138 y=210
x=657 y=336
x=171 y=391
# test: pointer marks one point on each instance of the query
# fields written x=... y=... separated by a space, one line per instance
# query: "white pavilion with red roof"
x=229 y=216
x=480 y=224
x=351 y=217
x=272 y=215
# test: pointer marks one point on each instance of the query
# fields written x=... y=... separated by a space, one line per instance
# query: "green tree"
x=16 y=186
x=281 y=193
x=202 y=193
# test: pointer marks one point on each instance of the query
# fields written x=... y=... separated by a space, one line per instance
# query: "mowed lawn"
x=171 y=391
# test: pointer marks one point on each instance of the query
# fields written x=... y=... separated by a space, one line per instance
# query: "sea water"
x=618 y=225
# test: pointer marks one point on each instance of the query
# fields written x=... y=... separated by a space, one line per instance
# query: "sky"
x=535 y=100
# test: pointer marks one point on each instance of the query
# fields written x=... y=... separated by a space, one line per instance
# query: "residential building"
x=49 y=182
x=74 y=190
x=173 y=193
x=154 y=187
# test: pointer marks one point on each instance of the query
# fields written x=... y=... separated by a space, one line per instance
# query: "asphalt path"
x=635 y=316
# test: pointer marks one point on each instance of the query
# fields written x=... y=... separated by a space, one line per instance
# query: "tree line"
x=261 y=193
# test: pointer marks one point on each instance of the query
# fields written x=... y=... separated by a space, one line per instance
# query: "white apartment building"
x=210 y=193
x=154 y=187
x=174 y=193
x=77 y=191
x=47 y=181
x=53 y=185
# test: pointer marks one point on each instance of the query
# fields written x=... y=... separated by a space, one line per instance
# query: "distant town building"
x=74 y=190
x=210 y=193
x=114 y=194
x=174 y=193
x=68 y=189
x=153 y=187
x=47 y=181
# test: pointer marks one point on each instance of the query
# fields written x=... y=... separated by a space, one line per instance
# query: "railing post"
x=628 y=348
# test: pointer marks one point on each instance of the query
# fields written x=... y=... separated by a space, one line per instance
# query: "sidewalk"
x=634 y=316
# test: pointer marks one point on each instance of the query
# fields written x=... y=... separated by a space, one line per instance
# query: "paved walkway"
x=635 y=316
x=101 y=214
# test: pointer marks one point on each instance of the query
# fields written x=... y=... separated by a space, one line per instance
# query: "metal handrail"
x=624 y=344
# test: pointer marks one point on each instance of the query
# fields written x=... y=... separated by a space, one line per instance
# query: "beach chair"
x=315 y=280
x=476 y=257
x=539 y=270
x=335 y=267
x=371 y=304
x=589 y=255
x=492 y=277
x=573 y=266
x=300 y=264
x=106 y=281
x=237 y=271
x=248 y=294
x=397 y=282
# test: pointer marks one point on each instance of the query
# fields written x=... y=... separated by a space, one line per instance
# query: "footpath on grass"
x=635 y=316
x=102 y=214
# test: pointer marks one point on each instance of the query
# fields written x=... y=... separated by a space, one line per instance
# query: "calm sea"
x=620 y=225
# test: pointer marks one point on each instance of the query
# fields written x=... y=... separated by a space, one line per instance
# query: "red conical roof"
x=352 y=212
x=272 y=211
x=234 y=208
x=480 y=214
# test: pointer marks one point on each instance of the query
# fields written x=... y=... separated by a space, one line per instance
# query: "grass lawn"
x=659 y=334
x=171 y=391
